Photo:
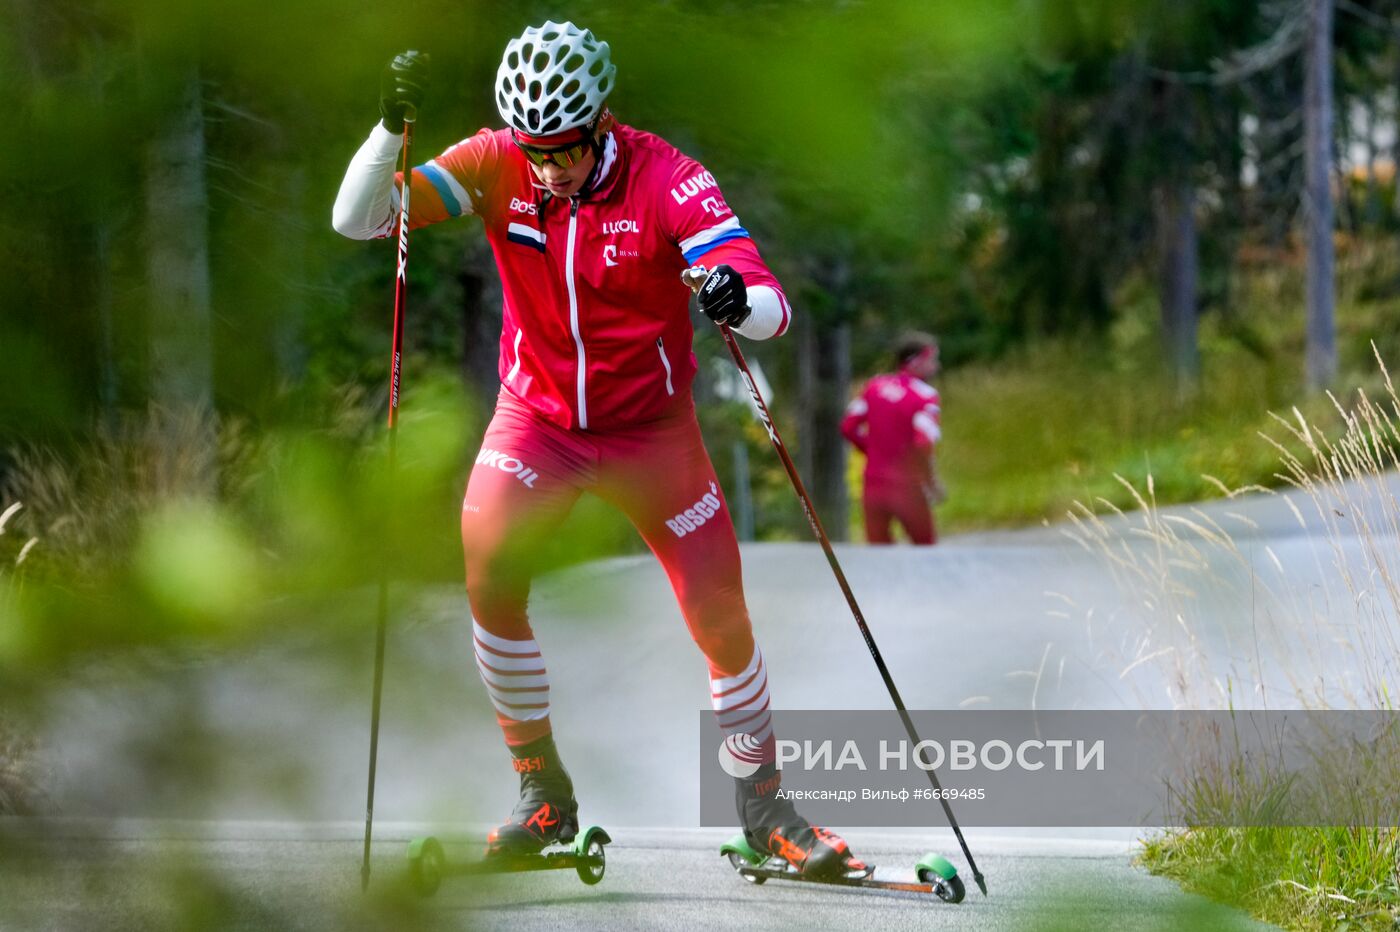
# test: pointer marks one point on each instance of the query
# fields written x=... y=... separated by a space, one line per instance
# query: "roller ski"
x=541 y=834
x=428 y=865
x=935 y=874
x=778 y=844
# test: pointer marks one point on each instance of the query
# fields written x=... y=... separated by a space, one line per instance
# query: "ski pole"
x=694 y=278
x=395 y=361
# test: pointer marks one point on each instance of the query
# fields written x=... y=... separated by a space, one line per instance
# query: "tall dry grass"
x=87 y=507
x=1225 y=620
x=1221 y=618
x=1349 y=483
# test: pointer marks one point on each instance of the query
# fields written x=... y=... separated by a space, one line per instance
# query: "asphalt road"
x=260 y=756
x=145 y=875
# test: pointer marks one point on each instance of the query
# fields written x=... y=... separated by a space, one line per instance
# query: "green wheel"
x=589 y=844
x=426 y=865
x=738 y=862
x=741 y=854
x=937 y=870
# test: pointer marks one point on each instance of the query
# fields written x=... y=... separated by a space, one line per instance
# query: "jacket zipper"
x=573 y=316
x=515 y=368
x=661 y=348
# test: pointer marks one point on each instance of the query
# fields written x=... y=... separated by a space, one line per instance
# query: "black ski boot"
x=772 y=826
x=547 y=811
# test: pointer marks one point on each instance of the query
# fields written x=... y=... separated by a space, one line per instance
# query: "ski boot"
x=546 y=813
x=773 y=827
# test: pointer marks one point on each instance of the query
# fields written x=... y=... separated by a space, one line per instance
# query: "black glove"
x=402 y=86
x=723 y=297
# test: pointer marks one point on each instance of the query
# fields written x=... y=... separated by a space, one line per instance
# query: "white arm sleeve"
x=769 y=313
x=926 y=425
x=368 y=201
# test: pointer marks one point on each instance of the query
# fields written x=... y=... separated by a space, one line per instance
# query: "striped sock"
x=515 y=679
x=741 y=703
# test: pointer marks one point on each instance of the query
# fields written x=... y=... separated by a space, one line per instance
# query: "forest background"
x=1136 y=228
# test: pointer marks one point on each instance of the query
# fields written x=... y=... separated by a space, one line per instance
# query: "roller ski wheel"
x=741 y=854
x=590 y=860
x=428 y=865
x=936 y=876
x=936 y=870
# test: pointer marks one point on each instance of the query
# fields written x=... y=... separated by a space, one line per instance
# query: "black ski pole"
x=395 y=361
x=694 y=278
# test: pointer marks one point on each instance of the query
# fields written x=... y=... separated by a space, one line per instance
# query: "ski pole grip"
x=694 y=277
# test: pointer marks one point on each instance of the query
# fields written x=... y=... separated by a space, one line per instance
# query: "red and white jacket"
x=895 y=422
x=596 y=331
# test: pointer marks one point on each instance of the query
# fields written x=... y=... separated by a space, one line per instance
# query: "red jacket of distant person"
x=896 y=422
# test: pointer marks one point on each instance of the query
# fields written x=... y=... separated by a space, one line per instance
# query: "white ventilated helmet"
x=553 y=78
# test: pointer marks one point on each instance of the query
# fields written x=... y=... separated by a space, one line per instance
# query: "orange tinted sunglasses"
x=563 y=156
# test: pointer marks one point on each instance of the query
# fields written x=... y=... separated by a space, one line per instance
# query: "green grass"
x=1023 y=443
x=1299 y=878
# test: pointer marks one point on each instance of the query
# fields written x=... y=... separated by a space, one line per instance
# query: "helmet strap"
x=597 y=135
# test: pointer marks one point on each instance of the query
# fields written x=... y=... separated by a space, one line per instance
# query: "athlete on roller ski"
x=591 y=222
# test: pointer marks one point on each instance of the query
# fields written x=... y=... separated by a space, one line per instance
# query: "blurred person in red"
x=895 y=422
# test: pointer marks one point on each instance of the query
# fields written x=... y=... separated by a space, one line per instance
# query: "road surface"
x=239 y=778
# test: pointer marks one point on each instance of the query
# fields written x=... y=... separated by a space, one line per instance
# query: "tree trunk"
x=1317 y=200
x=1395 y=140
x=831 y=463
x=289 y=325
x=1277 y=99
x=107 y=378
x=184 y=451
x=1236 y=206
x=177 y=257
x=1372 y=212
x=824 y=379
x=805 y=455
x=1180 y=265
x=1344 y=205
x=1178 y=252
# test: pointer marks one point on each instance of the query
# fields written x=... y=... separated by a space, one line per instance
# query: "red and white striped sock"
x=741 y=703
x=514 y=674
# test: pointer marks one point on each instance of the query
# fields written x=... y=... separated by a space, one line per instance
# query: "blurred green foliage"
x=985 y=175
x=989 y=175
x=177 y=885
x=985 y=172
